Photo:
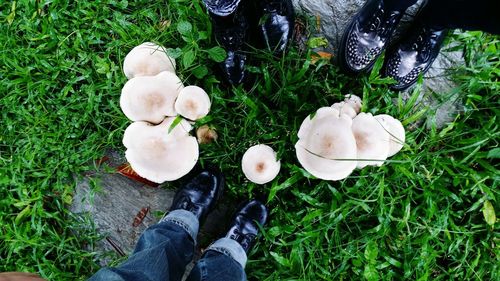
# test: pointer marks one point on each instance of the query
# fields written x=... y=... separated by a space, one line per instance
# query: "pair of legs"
x=371 y=30
x=238 y=24
x=165 y=249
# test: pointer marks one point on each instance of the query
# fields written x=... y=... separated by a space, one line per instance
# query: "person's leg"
x=480 y=15
x=162 y=253
x=164 y=250
x=226 y=258
x=231 y=23
x=220 y=264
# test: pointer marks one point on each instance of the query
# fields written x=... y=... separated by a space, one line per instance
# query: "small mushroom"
x=159 y=155
x=206 y=135
x=326 y=147
x=354 y=101
x=150 y=98
x=192 y=103
x=259 y=164
x=396 y=131
x=371 y=139
x=147 y=59
x=345 y=108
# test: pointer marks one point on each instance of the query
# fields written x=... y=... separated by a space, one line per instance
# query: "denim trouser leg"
x=161 y=254
x=223 y=261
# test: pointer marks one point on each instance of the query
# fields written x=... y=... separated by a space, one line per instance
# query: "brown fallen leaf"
x=320 y=55
x=140 y=216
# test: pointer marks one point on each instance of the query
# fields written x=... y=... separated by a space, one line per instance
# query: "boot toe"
x=255 y=211
x=233 y=67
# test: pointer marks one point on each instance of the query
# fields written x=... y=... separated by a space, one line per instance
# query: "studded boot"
x=414 y=55
x=367 y=36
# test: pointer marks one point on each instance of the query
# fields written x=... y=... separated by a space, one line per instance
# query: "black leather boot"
x=200 y=193
x=276 y=23
x=244 y=228
x=231 y=22
x=414 y=55
x=366 y=37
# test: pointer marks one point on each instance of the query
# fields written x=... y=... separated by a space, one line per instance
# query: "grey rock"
x=111 y=201
x=439 y=91
x=334 y=15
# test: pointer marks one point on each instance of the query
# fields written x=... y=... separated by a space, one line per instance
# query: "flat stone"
x=440 y=91
x=111 y=201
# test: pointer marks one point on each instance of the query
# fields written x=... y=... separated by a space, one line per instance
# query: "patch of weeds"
x=420 y=216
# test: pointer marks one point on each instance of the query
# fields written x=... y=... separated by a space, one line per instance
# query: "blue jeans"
x=164 y=250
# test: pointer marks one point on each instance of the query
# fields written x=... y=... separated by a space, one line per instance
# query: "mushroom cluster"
x=159 y=146
x=338 y=139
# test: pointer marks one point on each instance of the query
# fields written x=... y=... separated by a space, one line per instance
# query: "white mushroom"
x=345 y=108
x=147 y=59
x=371 y=139
x=259 y=164
x=150 y=98
x=193 y=103
x=327 y=149
x=354 y=101
x=396 y=131
x=157 y=154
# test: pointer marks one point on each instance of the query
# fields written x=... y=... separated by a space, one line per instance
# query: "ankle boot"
x=245 y=225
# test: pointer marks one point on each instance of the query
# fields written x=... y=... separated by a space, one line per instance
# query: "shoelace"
x=186 y=204
x=423 y=43
x=383 y=26
x=245 y=240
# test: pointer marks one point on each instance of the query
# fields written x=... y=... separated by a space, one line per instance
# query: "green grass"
x=419 y=217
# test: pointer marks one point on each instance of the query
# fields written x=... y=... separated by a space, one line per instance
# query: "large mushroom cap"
x=396 y=131
x=192 y=103
x=259 y=164
x=371 y=139
x=328 y=149
x=159 y=155
x=147 y=59
x=150 y=98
